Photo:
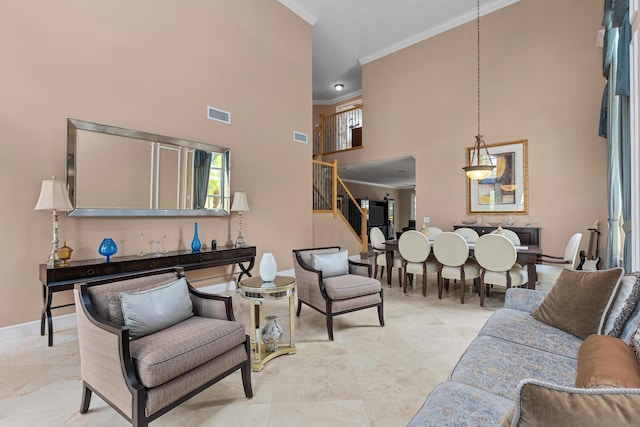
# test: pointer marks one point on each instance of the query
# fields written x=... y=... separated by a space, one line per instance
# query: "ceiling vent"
x=300 y=137
x=219 y=115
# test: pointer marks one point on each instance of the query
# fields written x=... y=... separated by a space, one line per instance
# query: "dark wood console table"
x=63 y=278
x=527 y=235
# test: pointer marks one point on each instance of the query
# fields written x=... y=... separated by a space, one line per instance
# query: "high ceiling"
x=349 y=33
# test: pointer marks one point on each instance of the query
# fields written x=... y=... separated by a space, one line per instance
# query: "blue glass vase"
x=107 y=248
x=195 y=243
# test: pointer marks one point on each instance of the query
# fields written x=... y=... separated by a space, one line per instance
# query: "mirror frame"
x=73 y=125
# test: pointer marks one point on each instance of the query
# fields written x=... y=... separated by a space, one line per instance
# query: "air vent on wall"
x=219 y=115
x=300 y=137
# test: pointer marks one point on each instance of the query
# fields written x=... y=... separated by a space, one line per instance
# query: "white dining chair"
x=469 y=234
x=377 y=239
x=553 y=265
x=509 y=234
x=452 y=252
x=497 y=255
x=433 y=232
x=414 y=247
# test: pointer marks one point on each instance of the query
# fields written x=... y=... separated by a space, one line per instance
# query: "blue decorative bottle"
x=195 y=243
x=107 y=248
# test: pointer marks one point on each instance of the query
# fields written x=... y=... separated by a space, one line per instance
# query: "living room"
x=156 y=67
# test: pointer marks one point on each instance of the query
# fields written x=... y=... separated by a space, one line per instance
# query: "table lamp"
x=53 y=197
x=240 y=205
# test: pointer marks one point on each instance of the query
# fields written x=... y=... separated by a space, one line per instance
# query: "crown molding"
x=303 y=13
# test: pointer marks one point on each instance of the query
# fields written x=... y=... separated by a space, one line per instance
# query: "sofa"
x=525 y=369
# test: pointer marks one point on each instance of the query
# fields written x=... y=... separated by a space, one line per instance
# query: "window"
x=217 y=181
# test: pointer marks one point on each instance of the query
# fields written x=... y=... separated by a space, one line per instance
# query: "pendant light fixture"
x=476 y=170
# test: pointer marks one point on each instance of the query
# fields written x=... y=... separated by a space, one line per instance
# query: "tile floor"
x=368 y=376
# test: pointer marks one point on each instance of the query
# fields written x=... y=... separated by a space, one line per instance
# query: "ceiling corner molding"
x=341 y=98
x=303 y=13
x=463 y=18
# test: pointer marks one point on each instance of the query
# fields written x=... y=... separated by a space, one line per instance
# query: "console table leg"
x=246 y=270
x=46 y=314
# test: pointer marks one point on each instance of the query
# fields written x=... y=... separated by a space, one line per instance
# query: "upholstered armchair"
x=149 y=342
x=332 y=284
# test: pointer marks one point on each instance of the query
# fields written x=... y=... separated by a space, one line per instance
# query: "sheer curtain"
x=615 y=126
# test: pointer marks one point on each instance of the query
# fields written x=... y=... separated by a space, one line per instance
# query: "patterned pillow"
x=635 y=344
x=625 y=304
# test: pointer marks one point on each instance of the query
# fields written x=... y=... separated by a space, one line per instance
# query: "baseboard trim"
x=65 y=321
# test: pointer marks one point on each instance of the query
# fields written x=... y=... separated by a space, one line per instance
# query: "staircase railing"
x=331 y=195
x=338 y=132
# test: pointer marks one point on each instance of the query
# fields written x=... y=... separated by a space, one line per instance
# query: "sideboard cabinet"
x=527 y=235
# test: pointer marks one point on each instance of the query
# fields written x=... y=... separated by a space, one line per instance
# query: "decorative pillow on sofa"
x=152 y=310
x=580 y=301
x=542 y=404
x=607 y=362
x=624 y=305
x=331 y=264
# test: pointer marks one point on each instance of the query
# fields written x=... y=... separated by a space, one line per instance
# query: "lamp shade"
x=239 y=202
x=53 y=196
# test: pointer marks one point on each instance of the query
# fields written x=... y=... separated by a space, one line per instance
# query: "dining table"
x=527 y=255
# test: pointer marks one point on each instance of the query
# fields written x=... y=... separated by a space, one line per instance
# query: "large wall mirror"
x=113 y=171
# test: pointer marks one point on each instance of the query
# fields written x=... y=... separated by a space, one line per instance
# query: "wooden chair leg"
x=462 y=284
x=381 y=310
x=246 y=372
x=424 y=280
x=381 y=272
x=440 y=282
x=299 y=308
x=329 y=315
x=86 y=398
x=482 y=289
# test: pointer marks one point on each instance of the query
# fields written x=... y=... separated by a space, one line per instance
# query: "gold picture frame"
x=506 y=190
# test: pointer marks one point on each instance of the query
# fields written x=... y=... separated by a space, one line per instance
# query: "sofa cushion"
x=624 y=304
x=580 y=301
x=519 y=327
x=169 y=353
x=148 y=311
x=455 y=404
x=544 y=404
x=350 y=286
x=607 y=362
x=497 y=366
x=331 y=265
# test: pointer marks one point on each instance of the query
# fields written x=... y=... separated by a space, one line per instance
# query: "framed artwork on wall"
x=506 y=190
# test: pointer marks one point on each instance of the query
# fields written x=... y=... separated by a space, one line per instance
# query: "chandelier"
x=476 y=170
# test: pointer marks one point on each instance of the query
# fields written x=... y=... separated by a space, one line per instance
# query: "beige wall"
x=541 y=81
x=152 y=66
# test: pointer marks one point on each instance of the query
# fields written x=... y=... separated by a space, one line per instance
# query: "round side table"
x=256 y=291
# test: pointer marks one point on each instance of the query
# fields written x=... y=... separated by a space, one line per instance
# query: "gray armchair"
x=146 y=376
x=330 y=283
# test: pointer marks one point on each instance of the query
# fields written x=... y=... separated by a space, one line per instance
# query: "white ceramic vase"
x=268 y=267
x=271 y=334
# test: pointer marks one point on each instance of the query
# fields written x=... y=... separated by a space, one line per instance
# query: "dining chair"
x=469 y=234
x=553 y=265
x=509 y=234
x=496 y=255
x=452 y=252
x=377 y=239
x=433 y=232
x=414 y=247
